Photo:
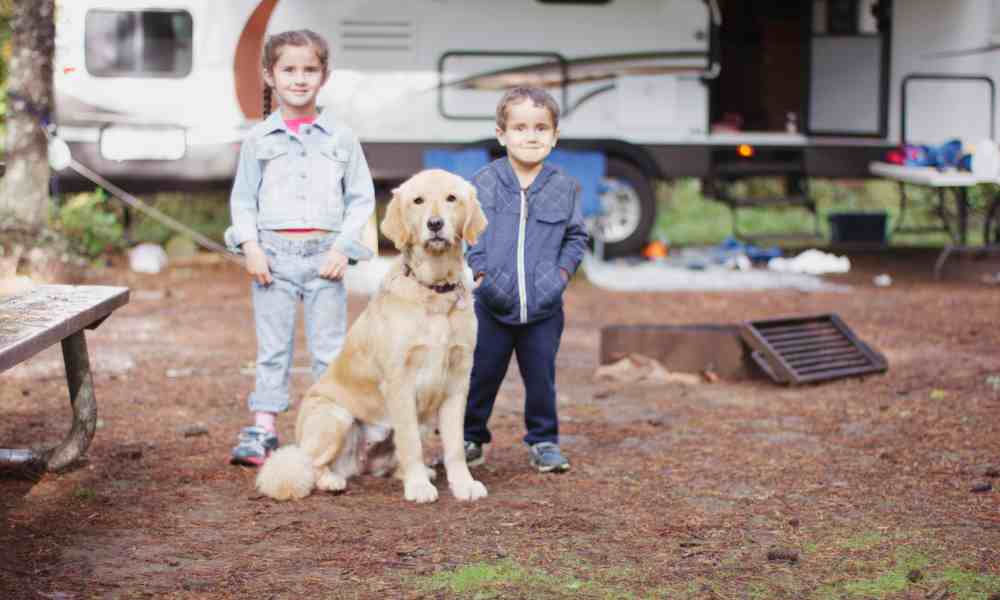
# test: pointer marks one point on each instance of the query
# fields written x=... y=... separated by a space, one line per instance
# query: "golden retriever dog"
x=405 y=364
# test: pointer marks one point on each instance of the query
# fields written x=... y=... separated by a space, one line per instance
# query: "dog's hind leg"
x=333 y=477
x=327 y=433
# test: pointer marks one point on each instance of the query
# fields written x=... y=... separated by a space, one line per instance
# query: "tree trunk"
x=24 y=189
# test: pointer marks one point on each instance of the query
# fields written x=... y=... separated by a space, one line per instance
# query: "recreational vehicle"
x=163 y=91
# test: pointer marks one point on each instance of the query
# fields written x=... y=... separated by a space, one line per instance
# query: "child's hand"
x=257 y=263
x=478 y=280
x=334 y=266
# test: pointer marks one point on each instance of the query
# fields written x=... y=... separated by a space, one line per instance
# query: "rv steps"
x=789 y=164
x=809 y=349
x=773 y=201
x=774 y=238
x=721 y=192
x=757 y=168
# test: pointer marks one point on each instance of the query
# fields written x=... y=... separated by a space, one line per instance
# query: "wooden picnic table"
x=35 y=319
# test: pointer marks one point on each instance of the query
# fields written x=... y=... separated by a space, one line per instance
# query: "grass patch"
x=967 y=585
x=484 y=580
x=86 y=494
x=960 y=584
x=510 y=579
x=891 y=582
x=863 y=541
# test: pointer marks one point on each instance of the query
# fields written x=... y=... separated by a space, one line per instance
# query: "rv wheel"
x=629 y=210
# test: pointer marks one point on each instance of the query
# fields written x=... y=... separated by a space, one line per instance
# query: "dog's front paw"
x=420 y=491
x=469 y=490
x=331 y=482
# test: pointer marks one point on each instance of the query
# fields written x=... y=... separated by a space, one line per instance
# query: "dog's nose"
x=435 y=224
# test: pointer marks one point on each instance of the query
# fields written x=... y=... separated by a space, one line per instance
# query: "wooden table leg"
x=942 y=257
x=81 y=397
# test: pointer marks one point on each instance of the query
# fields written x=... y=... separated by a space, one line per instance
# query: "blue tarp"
x=586 y=167
x=463 y=163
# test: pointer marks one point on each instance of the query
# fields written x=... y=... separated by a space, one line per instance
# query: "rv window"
x=138 y=43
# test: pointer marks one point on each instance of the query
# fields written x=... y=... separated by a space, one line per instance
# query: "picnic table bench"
x=33 y=320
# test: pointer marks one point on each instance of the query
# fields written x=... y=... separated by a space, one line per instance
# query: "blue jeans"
x=295 y=268
x=536 y=345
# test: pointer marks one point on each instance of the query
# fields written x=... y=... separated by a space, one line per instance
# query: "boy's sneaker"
x=546 y=457
x=474 y=455
x=254 y=446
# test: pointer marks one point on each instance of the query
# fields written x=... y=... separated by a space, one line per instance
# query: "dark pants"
x=536 y=345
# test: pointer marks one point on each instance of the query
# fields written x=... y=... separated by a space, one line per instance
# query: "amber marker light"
x=745 y=150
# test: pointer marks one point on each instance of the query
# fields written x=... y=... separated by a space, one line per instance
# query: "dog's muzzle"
x=436 y=240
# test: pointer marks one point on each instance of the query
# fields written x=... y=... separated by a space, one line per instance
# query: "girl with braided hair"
x=301 y=198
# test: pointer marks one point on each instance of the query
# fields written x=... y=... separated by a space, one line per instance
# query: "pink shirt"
x=294 y=124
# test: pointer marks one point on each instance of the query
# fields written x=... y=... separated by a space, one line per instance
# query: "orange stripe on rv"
x=246 y=64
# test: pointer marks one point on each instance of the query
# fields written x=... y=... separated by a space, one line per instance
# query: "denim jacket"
x=317 y=178
x=521 y=266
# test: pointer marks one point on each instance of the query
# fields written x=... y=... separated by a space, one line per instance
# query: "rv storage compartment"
x=857 y=227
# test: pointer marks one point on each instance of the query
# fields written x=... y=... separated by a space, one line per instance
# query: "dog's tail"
x=287 y=474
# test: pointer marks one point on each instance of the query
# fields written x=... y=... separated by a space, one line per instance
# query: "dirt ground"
x=858 y=488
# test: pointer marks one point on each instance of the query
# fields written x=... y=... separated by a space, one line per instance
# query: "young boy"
x=532 y=246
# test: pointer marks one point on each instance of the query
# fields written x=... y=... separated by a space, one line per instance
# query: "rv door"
x=848 y=80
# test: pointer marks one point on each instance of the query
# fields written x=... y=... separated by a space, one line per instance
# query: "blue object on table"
x=588 y=168
x=944 y=156
x=465 y=162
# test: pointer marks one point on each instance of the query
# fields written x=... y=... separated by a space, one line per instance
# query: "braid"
x=267 y=101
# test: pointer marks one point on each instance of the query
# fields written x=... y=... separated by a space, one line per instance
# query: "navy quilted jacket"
x=521 y=259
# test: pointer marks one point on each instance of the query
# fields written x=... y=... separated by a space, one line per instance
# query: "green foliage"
x=87 y=221
x=206 y=213
x=688 y=217
x=92 y=221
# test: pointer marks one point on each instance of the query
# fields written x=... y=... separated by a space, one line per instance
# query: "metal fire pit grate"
x=809 y=349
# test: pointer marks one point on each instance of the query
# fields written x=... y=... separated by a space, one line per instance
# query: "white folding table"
x=958 y=182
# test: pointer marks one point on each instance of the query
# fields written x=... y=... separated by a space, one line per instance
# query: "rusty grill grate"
x=809 y=349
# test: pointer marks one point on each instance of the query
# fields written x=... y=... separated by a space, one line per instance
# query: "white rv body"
x=637 y=80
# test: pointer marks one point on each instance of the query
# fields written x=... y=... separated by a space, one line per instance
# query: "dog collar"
x=441 y=288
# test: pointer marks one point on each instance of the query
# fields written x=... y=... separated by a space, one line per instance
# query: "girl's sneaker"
x=254 y=446
x=546 y=457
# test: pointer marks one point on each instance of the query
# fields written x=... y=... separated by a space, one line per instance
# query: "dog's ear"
x=393 y=225
x=475 y=219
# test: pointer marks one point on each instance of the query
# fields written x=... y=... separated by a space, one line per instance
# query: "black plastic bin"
x=858 y=227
